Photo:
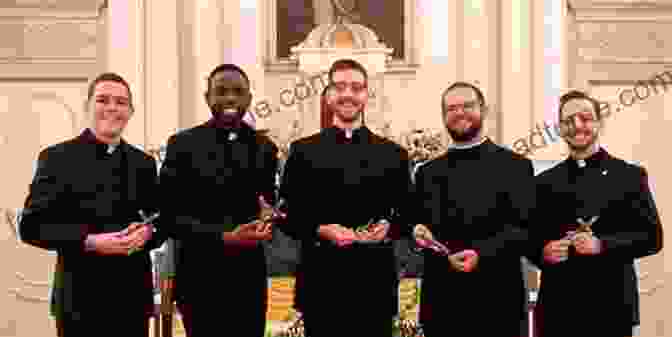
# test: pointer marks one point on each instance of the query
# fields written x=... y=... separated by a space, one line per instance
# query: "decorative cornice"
x=103 y=5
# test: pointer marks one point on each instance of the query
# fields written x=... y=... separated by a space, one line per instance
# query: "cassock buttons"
x=232 y=136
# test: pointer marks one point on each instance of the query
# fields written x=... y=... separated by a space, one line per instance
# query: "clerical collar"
x=89 y=136
x=593 y=160
x=467 y=146
x=230 y=132
x=354 y=135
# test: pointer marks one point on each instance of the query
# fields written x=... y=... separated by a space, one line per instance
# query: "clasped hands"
x=261 y=229
x=343 y=236
x=583 y=240
x=462 y=261
x=133 y=237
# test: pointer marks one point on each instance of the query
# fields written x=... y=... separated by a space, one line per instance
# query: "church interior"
x=523 y=54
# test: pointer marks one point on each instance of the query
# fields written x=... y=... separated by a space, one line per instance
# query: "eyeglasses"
x=465 y=107
x=355 y=87
x=585 y=118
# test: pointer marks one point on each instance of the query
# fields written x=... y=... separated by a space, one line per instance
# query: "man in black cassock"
x=588 y=282
x=84 y=203
x=335 y=181
x=212 y=180
x=475 y=200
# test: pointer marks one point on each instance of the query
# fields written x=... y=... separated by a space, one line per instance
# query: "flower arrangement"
x=424 y=144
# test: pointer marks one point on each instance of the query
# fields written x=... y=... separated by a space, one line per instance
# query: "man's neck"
x=585 y=153
x=348 y=127
x=106 y=139
x=478 y=140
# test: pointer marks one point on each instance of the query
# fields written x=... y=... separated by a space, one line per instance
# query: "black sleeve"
x=538 y=235
x=174 y=180
x=645 y=234
x=42 y=222
x=151 y=201
x=297 y=227
x=267 y=186
x=514 y=240
x=420 y=205
x=402 y=219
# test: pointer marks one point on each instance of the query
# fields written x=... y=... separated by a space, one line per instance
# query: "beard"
x=591 y=136
x=337 y=110
x=467 y=134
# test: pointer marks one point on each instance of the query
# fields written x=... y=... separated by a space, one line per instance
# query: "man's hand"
x=464 y=261
x=337 y=234
x=557 y=251
x=587 y=244
x=422 y=234
x=375 y=232
x=116 y=243
x=138 y=234
x=249 y=234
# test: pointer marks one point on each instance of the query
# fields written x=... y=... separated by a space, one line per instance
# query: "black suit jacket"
x=628 y=225
x=210 y=182
x=67 y=202
x=326 y=181
x=479 y=198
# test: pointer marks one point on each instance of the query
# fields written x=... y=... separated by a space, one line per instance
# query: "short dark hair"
x=227 y=67
x=578 y=94
x=455 y=85
x=111 y=77
x=344 y=64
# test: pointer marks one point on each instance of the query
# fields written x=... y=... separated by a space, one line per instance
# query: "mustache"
x=346 y=101
x=574 y=131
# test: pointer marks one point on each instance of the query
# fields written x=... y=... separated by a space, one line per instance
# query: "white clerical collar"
x=582 y=162
x=111 y=148
x=461 y=146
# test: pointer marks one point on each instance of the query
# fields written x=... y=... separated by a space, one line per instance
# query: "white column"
x=125 y=29
x=162 y=72
x=203 y=53
x=478 y=49
x=551 y=68
x=516 y=73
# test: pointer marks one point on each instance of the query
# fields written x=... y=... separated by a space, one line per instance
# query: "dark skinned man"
x=212 y=181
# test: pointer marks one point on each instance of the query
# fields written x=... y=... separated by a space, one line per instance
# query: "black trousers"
x=347 y=325
x=205 y=319
x=103 y=326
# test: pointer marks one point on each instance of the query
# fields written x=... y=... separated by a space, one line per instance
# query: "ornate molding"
x=18 y=293
x=605 y=42
x=52 y=40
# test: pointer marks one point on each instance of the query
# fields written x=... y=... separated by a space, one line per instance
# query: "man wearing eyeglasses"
x=473 y=203
x=596 y=214
x=336 y=181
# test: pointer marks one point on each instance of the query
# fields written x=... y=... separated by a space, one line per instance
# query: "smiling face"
x=348 y=95
x=112 y=109
x=229 y=95
x=579 y=124
x=462 y=114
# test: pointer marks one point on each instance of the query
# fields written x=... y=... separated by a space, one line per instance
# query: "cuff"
x=89 y=243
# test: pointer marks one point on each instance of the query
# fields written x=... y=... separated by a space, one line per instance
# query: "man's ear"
x=485 y=110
